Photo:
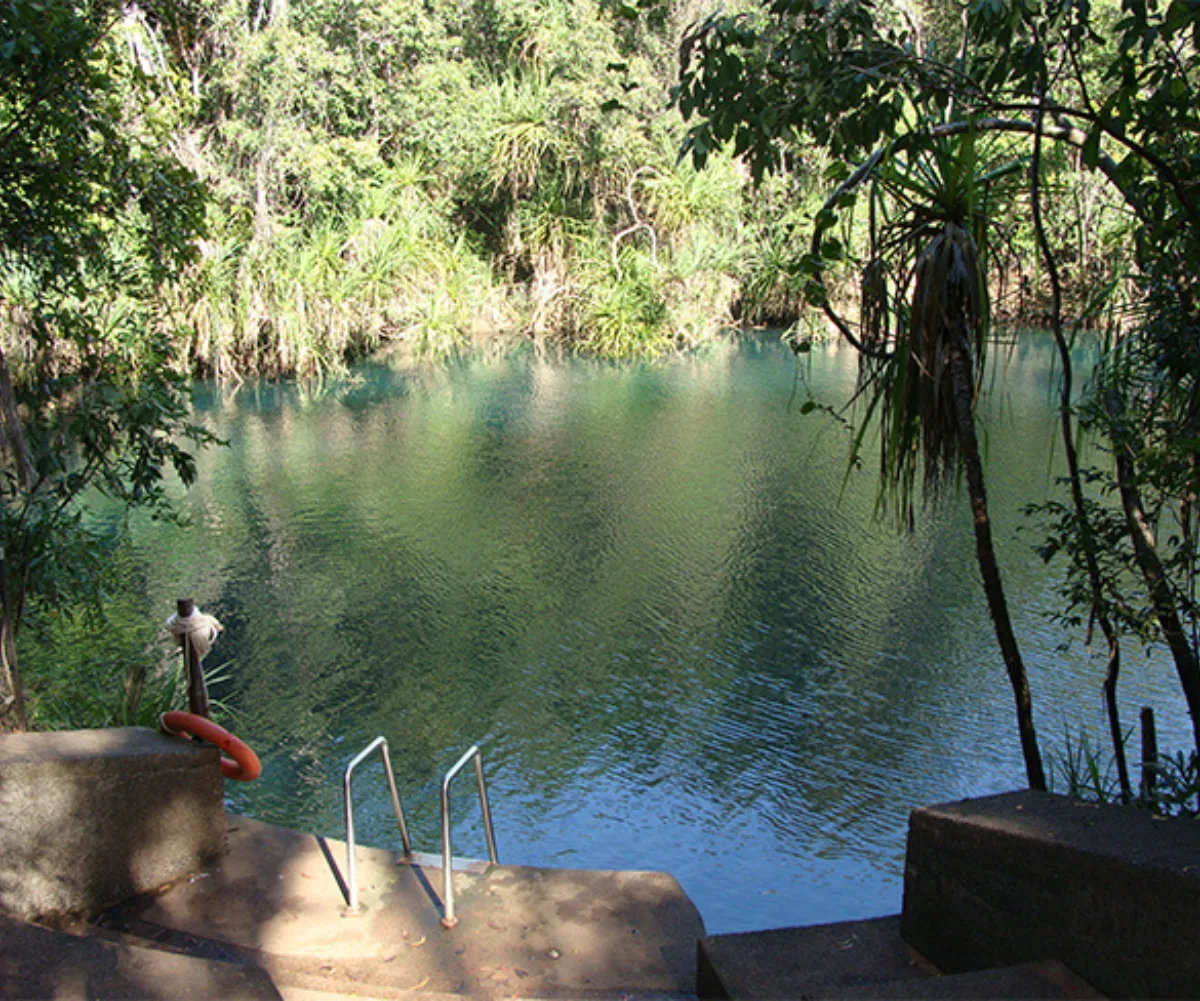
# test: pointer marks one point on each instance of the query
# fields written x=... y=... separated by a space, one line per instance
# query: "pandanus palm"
x=945 y=334
x=924 y=312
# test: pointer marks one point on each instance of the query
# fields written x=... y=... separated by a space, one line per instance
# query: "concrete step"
x=300 y=982
x=805 y=961
x=1045 y=981
x=1109 y=890
x=315 y=994
x=38 y=963
x=276 y=900
x=91 y=963
x=860 y=960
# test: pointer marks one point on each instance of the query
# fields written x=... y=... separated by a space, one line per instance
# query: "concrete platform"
x=810 y=961
x=275 y=900
x=41 y=964
x=1110 y=891
x=36 y=964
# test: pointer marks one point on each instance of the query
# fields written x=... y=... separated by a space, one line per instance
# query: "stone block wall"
x=1112 y=892
x=90 y=817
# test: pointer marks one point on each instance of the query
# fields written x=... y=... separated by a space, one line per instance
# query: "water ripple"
x=655 y=597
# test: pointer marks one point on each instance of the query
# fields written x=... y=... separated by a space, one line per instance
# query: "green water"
x=652 y=597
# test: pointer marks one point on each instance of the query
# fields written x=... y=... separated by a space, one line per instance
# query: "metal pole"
x=351 y=864
x=348 y=799
x=487 y=810
x=1149 y=755
x=448 y=918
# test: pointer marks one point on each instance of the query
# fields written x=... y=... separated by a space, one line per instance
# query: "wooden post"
x=192 y=672
x=1149 y=755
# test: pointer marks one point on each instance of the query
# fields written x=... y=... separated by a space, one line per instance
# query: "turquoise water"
x=653 y=596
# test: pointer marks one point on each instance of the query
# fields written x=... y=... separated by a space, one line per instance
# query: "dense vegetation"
x=411 y=175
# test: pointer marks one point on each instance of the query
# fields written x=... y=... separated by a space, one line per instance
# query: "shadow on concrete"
x=277 y=899
x=334 y=870
x=40 y=963
x=272 y=909
x=84 y=830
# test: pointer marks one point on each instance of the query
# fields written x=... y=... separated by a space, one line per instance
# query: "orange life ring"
x=245 y=766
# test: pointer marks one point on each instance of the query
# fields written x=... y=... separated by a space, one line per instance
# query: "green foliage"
x=278 y=188
x=1064 y=526
x=96 y=218
x=336 y=289
x=64 y=100
x=406 y=175
x=83 y=668
x=83 y=659
x=1089 y=773
x=281 y=187
x=1086 y=772
x=1177 y=790
x=932 y=238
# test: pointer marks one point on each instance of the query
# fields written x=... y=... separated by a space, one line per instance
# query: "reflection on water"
x=653 y=596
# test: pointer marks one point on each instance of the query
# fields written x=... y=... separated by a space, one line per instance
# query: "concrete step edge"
x=796 y=961
x=1046 y=980
x=304 y=983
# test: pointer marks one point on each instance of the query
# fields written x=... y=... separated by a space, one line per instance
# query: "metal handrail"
x=449 y=920
x=351 y=866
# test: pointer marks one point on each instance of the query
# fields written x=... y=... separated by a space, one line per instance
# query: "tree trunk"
x=1114 y=714
x=262 y=204
x=12 y=431
x=1086 y=538
x=1145 y=553
x=12 y=438
x=12 y=692
x=135 y=684
x=985 y=554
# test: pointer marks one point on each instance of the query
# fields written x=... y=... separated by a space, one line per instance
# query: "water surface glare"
x=654 y=597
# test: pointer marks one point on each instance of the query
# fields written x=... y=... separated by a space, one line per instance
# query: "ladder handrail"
x=351 y=866
x=449 y=920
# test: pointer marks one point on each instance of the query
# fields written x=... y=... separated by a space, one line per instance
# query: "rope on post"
x=201 y=629
x=196 y=633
